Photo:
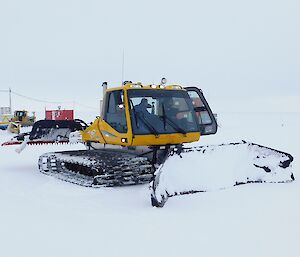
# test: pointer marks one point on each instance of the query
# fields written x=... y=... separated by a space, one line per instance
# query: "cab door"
x=205 y=117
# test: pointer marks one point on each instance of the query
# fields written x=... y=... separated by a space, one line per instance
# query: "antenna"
x=123 y=61
x=10 y=110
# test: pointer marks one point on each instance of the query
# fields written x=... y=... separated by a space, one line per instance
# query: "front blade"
x=209 y=168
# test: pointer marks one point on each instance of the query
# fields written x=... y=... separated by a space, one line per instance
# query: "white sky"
x=244 y=54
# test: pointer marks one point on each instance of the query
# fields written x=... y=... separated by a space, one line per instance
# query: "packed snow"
x=43 y=216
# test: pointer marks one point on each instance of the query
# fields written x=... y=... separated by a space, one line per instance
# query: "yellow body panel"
x=135 y=86
x=165 y=139
x=102 y=132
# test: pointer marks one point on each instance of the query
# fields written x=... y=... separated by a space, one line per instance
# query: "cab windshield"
x=161 y=112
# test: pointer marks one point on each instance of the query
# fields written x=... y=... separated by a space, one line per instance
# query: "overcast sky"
x=244 y=54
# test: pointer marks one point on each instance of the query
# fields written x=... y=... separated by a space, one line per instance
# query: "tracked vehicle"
x=47 y=132
x=139 y=129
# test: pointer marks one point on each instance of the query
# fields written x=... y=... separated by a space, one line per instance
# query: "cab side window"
x=115 y=112
x=202 y=114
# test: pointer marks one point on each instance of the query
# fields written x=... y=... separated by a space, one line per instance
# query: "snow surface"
x=43 y=216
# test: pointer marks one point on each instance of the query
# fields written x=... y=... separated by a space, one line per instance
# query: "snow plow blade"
x=47 y=132
x=197 y=169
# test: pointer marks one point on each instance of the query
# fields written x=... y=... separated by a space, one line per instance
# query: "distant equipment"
x=59 y=114
x=5 y=110
x=20 y=118
x=23 y=117
x=5 y=117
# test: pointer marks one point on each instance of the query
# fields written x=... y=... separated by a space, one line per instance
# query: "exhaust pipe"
x=104 y=88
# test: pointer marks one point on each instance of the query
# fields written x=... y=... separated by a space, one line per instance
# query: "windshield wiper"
x=139 y=115
x=148 y=124
x=171 y=122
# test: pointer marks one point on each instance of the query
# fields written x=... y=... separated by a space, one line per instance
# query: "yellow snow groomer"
x=139 y=125
x=139 y=128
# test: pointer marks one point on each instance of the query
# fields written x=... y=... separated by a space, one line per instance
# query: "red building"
x=59 y=114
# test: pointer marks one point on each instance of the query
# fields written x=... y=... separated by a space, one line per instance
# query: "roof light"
x=163 y=81
x=136 y=86
x=153 y=86
x=177 y=87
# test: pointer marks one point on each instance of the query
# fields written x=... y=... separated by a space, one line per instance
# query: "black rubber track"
x=95 y=168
